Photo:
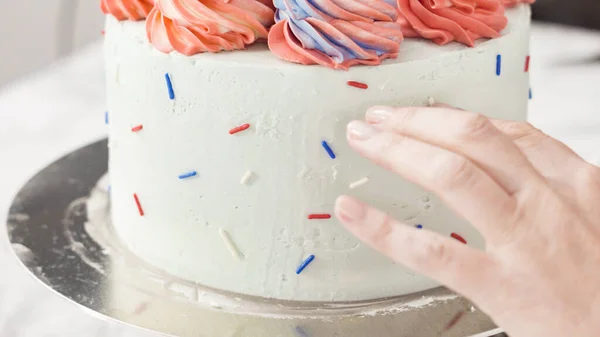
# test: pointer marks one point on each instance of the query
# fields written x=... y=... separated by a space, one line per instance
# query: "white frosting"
x=291 y=109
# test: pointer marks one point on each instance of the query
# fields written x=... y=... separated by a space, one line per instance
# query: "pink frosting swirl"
x=443 y=21
x=336 y=33
x=196 y=26
x=133 y=10
x=513 y=3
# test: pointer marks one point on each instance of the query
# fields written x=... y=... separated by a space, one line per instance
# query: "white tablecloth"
x=62 y=108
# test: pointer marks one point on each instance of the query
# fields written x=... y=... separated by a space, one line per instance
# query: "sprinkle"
x=498 y=64
x=527 y=60
x=304 y=264
x=357 y=84
x=139 y=206
x=430 y=101
x=359 y=182
x=246 y=177
x=328 y=149
x=239 y=129
x=419 y=226
x=108 y=189
x=454 y=321
x=301 y=332
x=315 y=216
x=170 y=86
x=106 y=117
x=187 y=175
x=459 y=238
x=102 y=32
x=530 y=94
x=233 y=249
x=137 y=128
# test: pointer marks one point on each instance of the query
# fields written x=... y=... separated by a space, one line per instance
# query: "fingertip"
x=349 y=210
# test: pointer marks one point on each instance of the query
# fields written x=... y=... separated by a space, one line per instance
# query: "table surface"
x=62 y=108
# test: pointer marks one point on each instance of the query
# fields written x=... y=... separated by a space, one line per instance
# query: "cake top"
x=333 y=33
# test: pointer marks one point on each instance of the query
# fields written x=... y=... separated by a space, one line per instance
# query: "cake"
x=227 y=125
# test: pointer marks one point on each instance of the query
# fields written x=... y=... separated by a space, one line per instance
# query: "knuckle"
x=451 y=170
x=434 y=251
x=389 y=149
x=383 y=232
x=474 y=126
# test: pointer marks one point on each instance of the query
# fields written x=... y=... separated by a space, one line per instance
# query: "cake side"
x=231 y=211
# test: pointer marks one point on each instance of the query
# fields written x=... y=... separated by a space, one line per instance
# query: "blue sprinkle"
x=187 y=175
x=170 y=86
x=301 y=332
x=304 y=264
x=530 y=94
x=328 y=149
x=108 y=189
x=106 y=117
x=498 y=64
x=419 y=226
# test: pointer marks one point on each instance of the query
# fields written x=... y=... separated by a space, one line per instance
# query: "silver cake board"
x=59 y=229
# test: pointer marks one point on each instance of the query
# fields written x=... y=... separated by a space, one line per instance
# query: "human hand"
x=536 y=203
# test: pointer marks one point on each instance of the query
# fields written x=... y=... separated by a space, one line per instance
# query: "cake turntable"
x=59 y=228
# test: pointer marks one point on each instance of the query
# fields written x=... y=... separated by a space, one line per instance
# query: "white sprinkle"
x=233 y=249
x=430 y=101
x=246 y=177
x=359 y=182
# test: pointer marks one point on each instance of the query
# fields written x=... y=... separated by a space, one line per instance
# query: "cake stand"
x=59 y=228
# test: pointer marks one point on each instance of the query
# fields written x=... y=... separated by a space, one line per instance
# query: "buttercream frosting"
x=192 y=26
x=133 y=10
x=512 y=3
x=336 y=33
x=443 y=21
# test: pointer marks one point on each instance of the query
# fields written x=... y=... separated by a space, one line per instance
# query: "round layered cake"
x=225 y=163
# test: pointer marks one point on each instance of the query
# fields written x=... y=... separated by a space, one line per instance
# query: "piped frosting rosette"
x=123 y=10
x=443 y=21
x=336 y=33
x=196 y=26
x=513 y=3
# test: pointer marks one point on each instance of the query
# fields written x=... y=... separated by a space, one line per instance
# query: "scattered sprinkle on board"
x=137 y=128
x=419 y=226
x=527 y=61
x=138 y=204
x=498 y=65
x=359 y=182
x=459 y=238
x=170 y=86
x=304 y=264
x=316 y=216
x=246 y=177
x=188 y=175
x=106 y=117
x=239 y=129
x=430 y=101
x=454 y=321
x=358 y=85
x=328 y=149
x=301 y=332
x=231 y=246
x=530 y=94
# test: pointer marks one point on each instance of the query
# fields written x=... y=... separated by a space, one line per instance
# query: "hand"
x=536 y=203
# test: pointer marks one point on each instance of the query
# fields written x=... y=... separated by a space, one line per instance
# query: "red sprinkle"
x=137 y=128
x=527 y=59
x=357 y=85
x=454 y=321
x=459 y=238
x=239 y=129
x=319 y=216
x=103 y=32
x=139 y=206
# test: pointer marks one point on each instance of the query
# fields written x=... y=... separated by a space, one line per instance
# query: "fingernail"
x=349 y=210
x=378 y=114
x=358 y=130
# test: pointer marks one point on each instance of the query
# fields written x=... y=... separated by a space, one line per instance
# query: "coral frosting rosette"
x=513 y=3
x=195 y=26
x=133 y=10
x=336 y=33
x=443 y=21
